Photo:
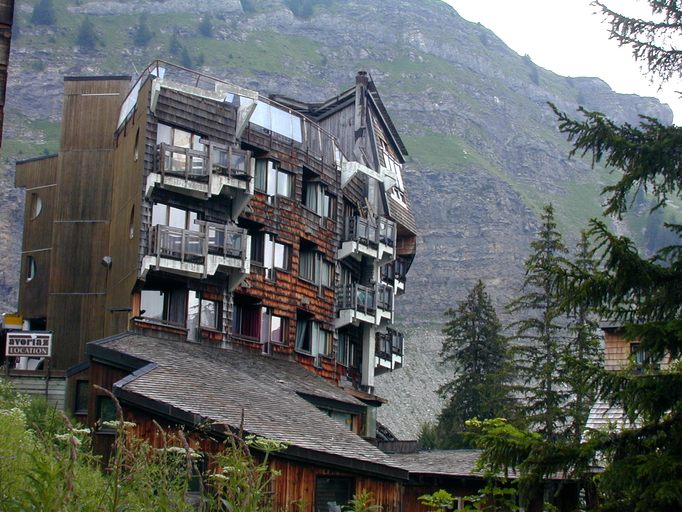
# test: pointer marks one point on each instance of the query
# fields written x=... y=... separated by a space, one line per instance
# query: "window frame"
x=267 y=171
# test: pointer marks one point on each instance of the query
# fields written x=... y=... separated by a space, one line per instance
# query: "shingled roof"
x=440 y=462
x=220 y=385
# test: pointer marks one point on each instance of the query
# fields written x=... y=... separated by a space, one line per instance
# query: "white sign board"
x=28 y=344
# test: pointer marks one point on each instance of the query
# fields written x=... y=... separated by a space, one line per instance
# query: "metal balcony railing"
x=365 y=299
x=194 y=246
x=369 y=232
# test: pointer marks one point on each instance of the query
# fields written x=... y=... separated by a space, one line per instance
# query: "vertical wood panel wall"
x=82 y=214
x=38 y=177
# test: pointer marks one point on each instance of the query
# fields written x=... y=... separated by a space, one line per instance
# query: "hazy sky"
x=567 y=37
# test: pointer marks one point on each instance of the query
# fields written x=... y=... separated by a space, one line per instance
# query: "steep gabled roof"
x=320 y=111
x=271 y=396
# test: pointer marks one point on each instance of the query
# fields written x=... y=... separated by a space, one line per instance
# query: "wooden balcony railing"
x=389 y=343
x=196 y=165
x=365 y=299
x=369 y=232
x=396 y=269
x=195 y=246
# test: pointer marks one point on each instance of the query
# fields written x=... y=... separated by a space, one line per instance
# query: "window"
x=106 y=411
x=315 y=196
x=344 y=418
x=270 y=254
x=246 y=320
x=136 y=150
x=174 y=217
x=272 y=327
x=166 y=305
x=277 y=120
x=273 y=181
x=30 y=268
x=201 y=313
x=36 y=205
x=80 y=405
x=259 y=323
x=176 y=161
x=347 y=351
x=312 y=267
x=311 y=338
x=333 y=492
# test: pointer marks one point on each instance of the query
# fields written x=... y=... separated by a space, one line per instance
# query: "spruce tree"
x=476 y=352
x=43 y=13
x=206 y=26
x=142 y=34
x=583 y=355
x=540 y=336
x=87 y=38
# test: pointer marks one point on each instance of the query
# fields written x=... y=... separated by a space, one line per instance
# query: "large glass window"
x=271 y=254
x=164 y=305
x=333 y=492
x=259 y=323
x=277 y=120
x=174 y=217
x=311 y=338
x=201 y=313
x=315 y=196
x=273 y=181
x=312 y=267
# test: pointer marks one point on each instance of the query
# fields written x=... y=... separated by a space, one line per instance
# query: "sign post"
x=28 y=344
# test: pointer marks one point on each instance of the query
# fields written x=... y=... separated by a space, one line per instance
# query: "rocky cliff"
x=486 y=153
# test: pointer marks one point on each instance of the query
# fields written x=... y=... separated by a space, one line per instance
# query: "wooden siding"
x=38 y=176
x=52 y=388
x=297 y=482
x=212 y=119
x=90 y=112
x=133 y=152
x=80 y=238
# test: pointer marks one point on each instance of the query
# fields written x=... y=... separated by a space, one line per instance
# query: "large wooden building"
x=208 y=230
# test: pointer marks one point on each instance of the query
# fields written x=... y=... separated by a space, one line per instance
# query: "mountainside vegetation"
x=472 y=112
x=485 y=150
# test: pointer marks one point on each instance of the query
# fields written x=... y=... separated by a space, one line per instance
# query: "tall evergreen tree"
x=142 y=34
x=540 y=333
x=44 y=13
x=583 y=356
x=643 y=462
x=86 y=37
x=206 y=26
x=476 y=351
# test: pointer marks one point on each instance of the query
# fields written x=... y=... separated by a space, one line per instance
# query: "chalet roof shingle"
x=440 y=462
x=224 y=385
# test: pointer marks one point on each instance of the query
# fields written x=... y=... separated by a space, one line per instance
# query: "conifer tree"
x=540 y=333
x=44 y=13
x=583 y=356
x=476 y=351
x=143 y=34
x=205 y=26
x=642 y=462
x=87 y=38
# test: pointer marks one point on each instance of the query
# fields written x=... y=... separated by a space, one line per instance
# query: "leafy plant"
x=363 y=502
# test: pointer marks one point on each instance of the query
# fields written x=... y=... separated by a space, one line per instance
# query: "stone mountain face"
x=486 y=153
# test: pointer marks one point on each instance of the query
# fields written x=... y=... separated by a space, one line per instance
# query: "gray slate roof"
x=440 y=462
x=607 y=417
x=218 y=384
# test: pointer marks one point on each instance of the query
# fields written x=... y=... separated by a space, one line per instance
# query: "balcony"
x=394 y=273
x=357 y=303
x=388 y=354
x=373 y=238
x=214 y=248
x=217 y=170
